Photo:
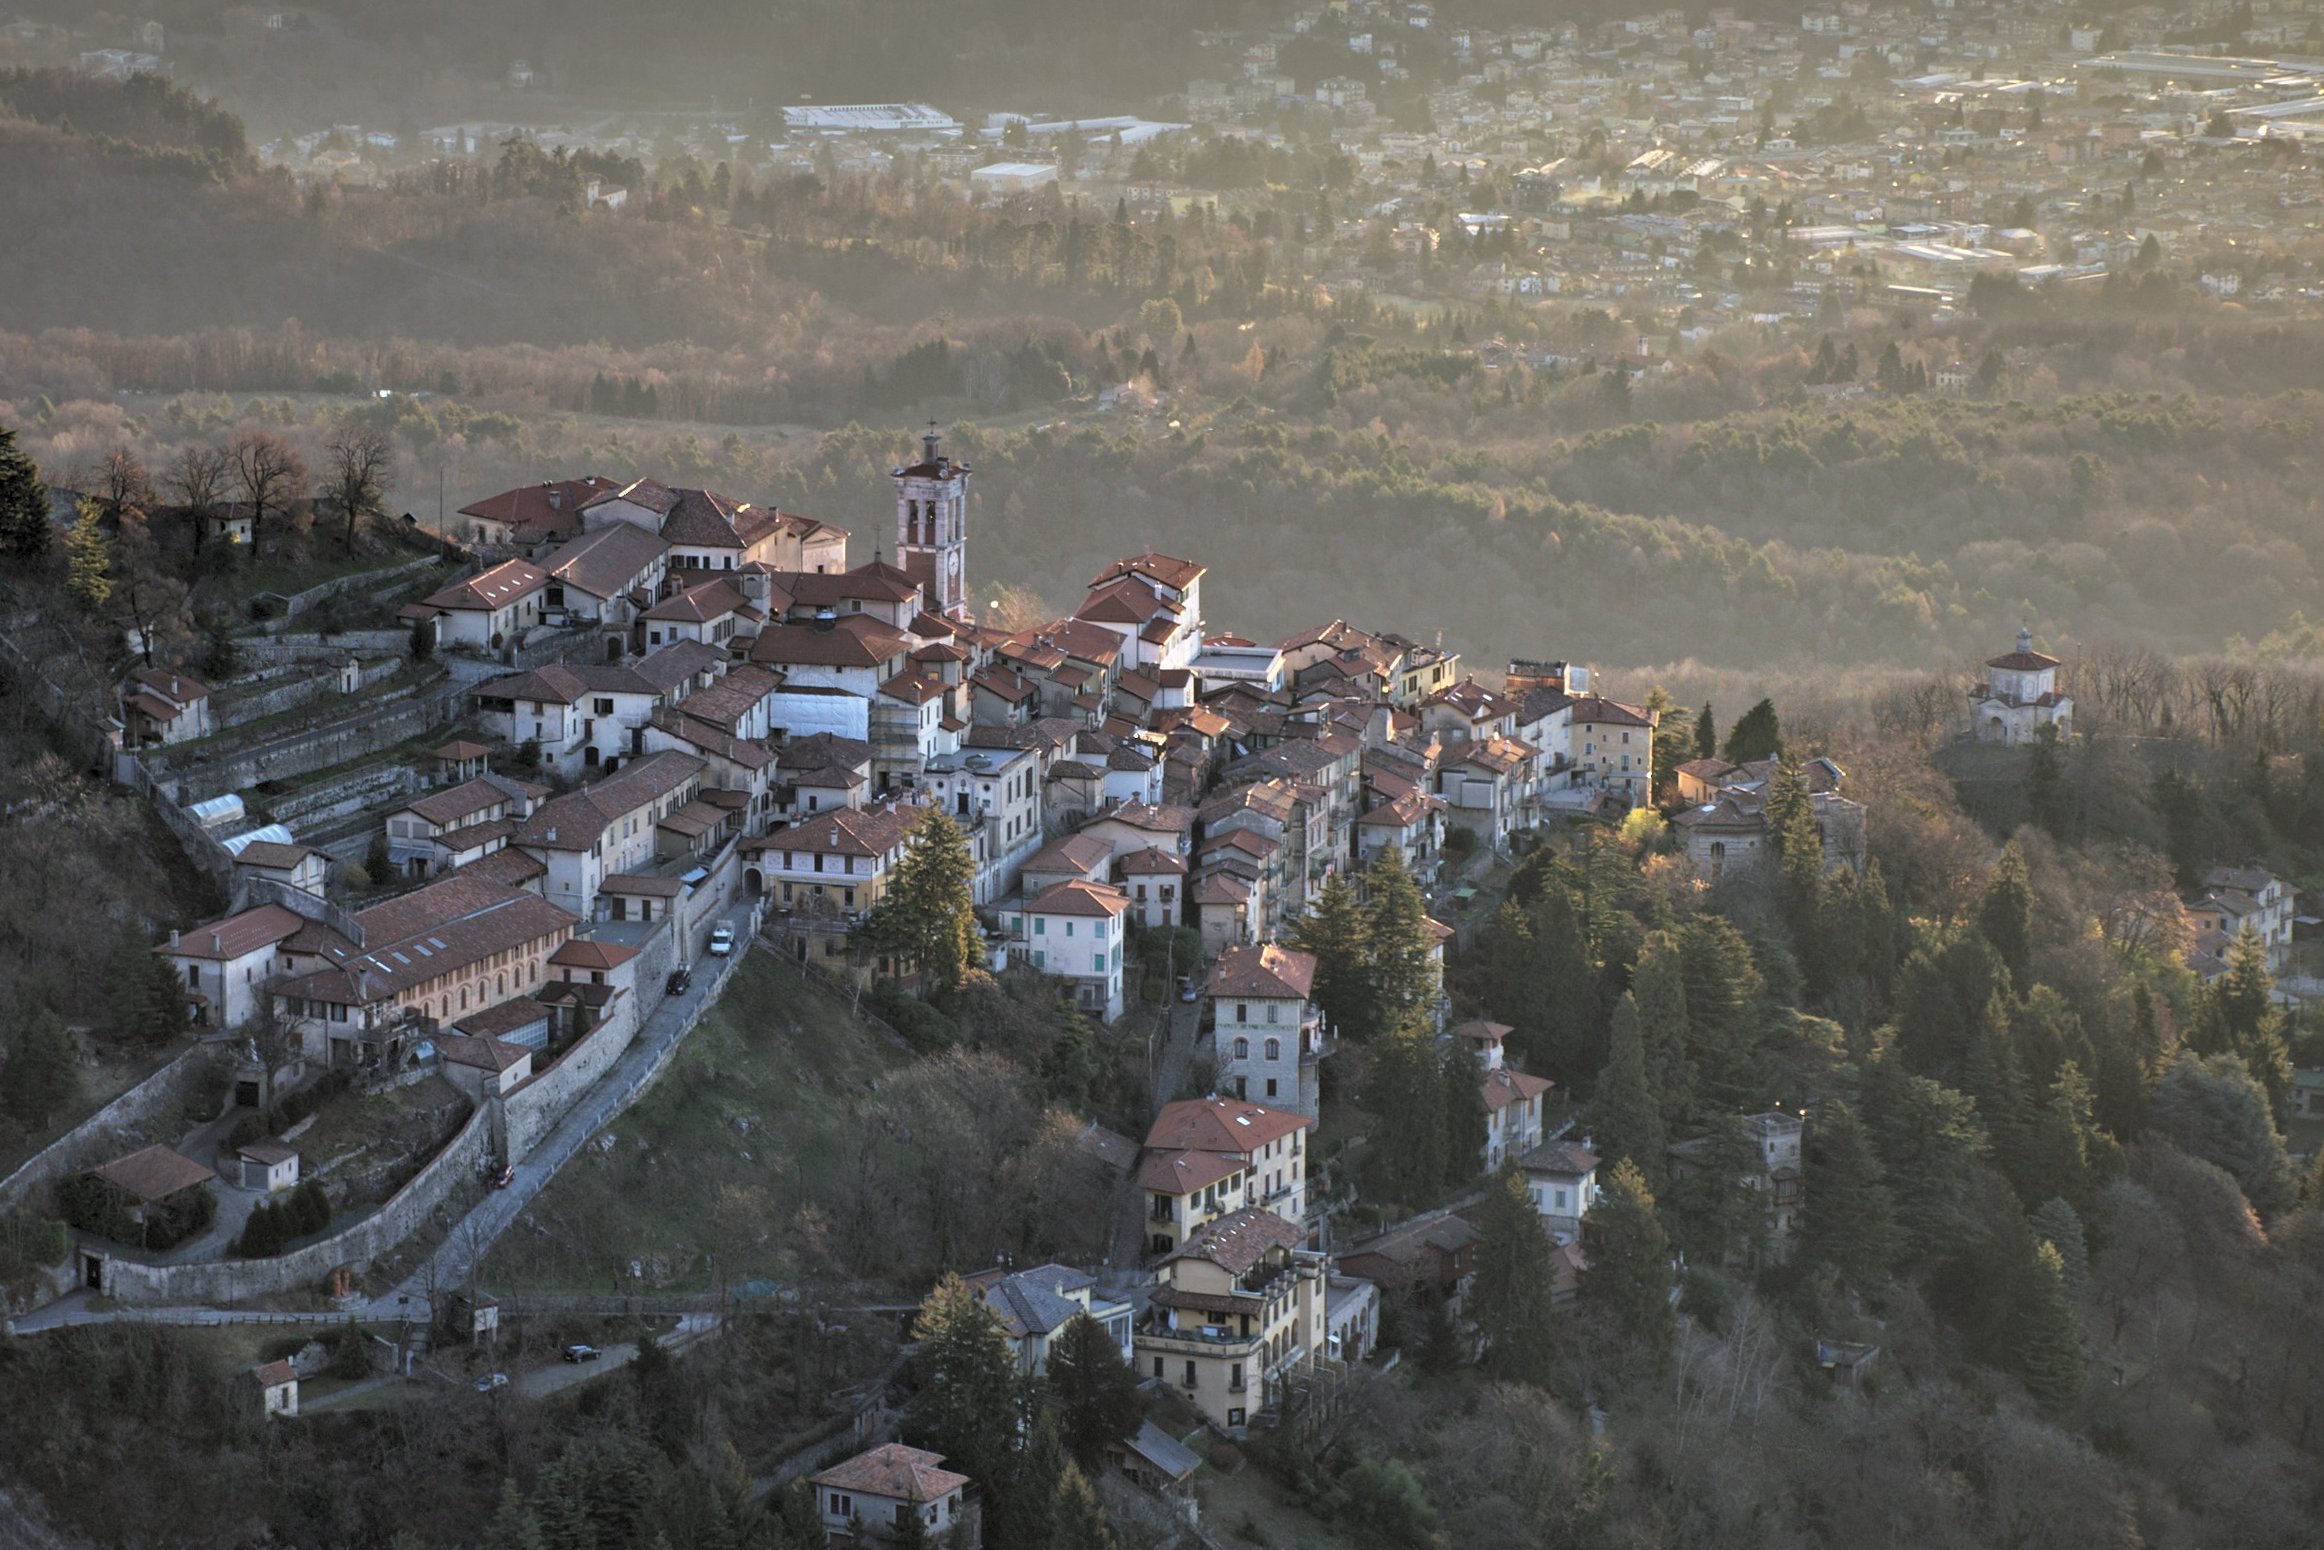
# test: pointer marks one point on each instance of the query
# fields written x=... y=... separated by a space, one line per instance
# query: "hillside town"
x=1686 y=172
x=690 y=728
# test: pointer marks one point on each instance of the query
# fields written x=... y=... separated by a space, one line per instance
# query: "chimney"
x=214 y=947
x=173 y=938
x=556 y=498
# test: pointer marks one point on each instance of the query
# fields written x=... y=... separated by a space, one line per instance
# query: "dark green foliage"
x=1625 y=1120
x=1658 y=981
x=1095 y=1391
x=2006 y=916
x=2049 y=1338
x=38 y=1078
x=1383 y=1503
x=1627 y=1271
x=514 y=1525
x=90 y=1205
x=29 y=1241
x=1333 y=930
x=1706 y=733
x=2211 y=1107
x=969 y=1402
x=927 y=916
x=1713 y=1214
x=1405 y=1088
x=1561 y=1038
x=1511 y=1297
x=24 y=525
x=1724 y=987
x=1942 y=1000
x=1400 y=972
x=1847 y=1216
x=1757 y=734
x=1930 y=1143
x=2238 y=1015
x=1079 y=1517
x=2059 y=1225
x=1465 y=1124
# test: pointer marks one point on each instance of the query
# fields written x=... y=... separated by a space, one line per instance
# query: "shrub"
x=249 y=1128
x=28 y=1241
x=1459 y=840
x=923 y=1026
x=309 y=1209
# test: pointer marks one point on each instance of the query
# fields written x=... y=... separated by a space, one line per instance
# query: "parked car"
x=1187 y=990
x=491 y=1381
x=722 y=941
x=582 y=1353
x=681 y=981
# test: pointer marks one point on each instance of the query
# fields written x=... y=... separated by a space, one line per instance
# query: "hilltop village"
x=691 y=735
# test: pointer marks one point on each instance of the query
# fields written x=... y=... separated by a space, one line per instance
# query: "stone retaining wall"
x=120 y=1126
x=462 y=1158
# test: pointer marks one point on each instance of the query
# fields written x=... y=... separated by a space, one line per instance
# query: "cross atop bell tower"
x=932 y=526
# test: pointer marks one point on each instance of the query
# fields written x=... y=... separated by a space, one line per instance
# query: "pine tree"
x=1659 y=983
x=1993 y=1077
x=24 y=526
x=970 y=1402
x=1400 y=965
x=1706 y=733
x=513 y=1525
x=142 y=1007
x=2059 y=1225
x=1723 y=990
x=1931 y=1143
x=39 y=1074
x=2069 y=1150
x=2238 y=1015
x=1757 y=734
x=928 y=914
x=1080 y=1519
x=1798 y=842
x=910 y=1529
x=88 y=560
x=1714 y=1215
x=1511 y=1300
x=1561 y=1037
x=1625 y=1122
x=1465 y=1124
x=561 y=1508
x=1095 y=1390
x=1333 y=930
x=2006 y=915
x=1501 y=965
x=1847 y=1219
x=793 y=1521
x=1627 y=1268
x=1405 y=1089
x=2049 y=1338
x=1024 y=1509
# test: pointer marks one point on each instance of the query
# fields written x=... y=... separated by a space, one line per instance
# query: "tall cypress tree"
x=1561 y=1039
x=1628 y=1266
x=1511 y=1302
x=1625 y=1121
x=1757 y=734
x=1333 y=930
x=1400 y=957
x=2049 y=1337
x=928 y=914
x=1847 y=1219
x=1465 y=1126
x=1706 y=733
x=1095 y=1390
x=1405 y=1088
x=24 y=525
x=1659 y=983
x=2005 y=916
x=970 y=1403
x=1714 y=1215
x=1930 y=1142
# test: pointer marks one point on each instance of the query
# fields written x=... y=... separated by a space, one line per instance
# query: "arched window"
x=1274 y=1049
x=1242 y=1049
x=503 y=985
x=1718 y=857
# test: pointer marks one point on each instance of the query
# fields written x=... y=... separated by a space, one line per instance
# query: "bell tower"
x=932 y=526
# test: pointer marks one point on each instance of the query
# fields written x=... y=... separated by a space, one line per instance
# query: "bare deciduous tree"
x=122 y=485
x=197 y=477
x=362 y=472
x=269 y=474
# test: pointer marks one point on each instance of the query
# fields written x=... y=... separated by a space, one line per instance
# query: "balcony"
x=1196 y=1341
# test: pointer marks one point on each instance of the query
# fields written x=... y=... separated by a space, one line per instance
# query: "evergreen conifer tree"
x=1658 y=981
x=1095 y=1390
x=1333 y=930
x=1405 y=1088
x=1400 y=949
x=38 y=1078
x=1511 y=1302
x=928 y=914
x=1625 y=1122
x=1848 y=1220
x=2049 y=1337
x=1628 y=1267
x=2005 y=916
x=970 y=1402
x=24 y=525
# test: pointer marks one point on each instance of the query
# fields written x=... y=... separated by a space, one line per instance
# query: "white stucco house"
x=2019 y=697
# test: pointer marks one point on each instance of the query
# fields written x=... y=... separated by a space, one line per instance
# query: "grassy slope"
x=778 y=1056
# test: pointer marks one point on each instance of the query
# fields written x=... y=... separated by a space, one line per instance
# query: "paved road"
x=474 y=1235
x=1174 y=1052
